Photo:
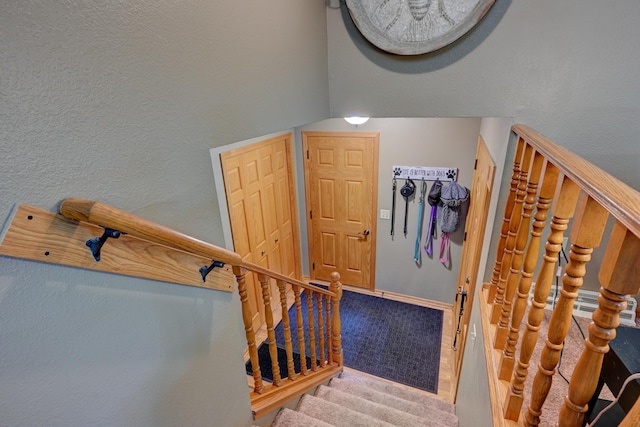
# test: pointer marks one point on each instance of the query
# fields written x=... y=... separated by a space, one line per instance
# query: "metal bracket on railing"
x=207 y=269
x=96 y=243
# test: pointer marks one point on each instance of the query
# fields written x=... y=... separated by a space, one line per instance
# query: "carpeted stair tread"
x=336 y=415
x=290 y=418
x=376 y=410
x=419 y=409
x=401 y=392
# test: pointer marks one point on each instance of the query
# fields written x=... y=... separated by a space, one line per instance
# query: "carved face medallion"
x=414 y=27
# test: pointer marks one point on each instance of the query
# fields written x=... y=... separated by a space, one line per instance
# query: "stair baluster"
x=312 y=333
x=514 y=399
x=515 y=218
x=618 y=277
x=516 y=261
x=322 y=360
x=268 y=314
x=493 y=285
x=240 y=273
x=586 y=233
x=327 y=306
x=336 y=325
x=301 y=345
x=286 y=324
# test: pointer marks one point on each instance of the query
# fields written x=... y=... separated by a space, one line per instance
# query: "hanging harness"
x=433 y=200
x=423 y=190
x=407 y=191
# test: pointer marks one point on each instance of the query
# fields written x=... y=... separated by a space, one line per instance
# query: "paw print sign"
x=425 y=173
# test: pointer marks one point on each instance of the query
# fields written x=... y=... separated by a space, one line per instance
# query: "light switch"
x=385 y=213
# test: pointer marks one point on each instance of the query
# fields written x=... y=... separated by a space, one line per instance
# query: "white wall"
x=121 y=102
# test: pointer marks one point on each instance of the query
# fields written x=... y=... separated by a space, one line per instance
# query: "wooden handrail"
x=622 y=201
x=583 y=198
x=263 y=270
x=107 y=216
x=125 y=222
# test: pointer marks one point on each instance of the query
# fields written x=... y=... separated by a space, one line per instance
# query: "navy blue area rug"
x=389 y=339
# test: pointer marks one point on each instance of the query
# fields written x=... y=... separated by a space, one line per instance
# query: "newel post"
x=336 y=337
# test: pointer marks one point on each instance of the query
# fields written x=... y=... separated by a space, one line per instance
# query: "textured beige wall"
x=120 y=102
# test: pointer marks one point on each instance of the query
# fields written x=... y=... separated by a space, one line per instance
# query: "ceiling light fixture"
x=356 y=120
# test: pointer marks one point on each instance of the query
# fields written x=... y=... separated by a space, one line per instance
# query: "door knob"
x=365 y=233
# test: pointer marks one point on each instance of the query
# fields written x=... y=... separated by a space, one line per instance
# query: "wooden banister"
x=323 y=323
x=622 y=201
x=107 y=216
x=578 y=187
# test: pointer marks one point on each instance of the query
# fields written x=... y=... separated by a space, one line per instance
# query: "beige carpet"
x=356 y=400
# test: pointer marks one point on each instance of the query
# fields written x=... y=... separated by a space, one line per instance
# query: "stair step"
x=290 y=418
x=421 y=410
x=386 y=387
x=373 y=409
x=337 y=415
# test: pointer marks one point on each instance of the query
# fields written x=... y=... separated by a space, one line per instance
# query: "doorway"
x=341 y=183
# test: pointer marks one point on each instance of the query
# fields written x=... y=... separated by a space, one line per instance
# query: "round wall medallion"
x=414 y=27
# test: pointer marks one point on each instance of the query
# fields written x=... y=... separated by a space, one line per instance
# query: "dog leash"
x=393 y=205
x=423 y=190
x=407 y=191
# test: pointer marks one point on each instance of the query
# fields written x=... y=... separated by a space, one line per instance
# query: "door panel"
x=472 y=247
x=341 y=180
x=262 y=210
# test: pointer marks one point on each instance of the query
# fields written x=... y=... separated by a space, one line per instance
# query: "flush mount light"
x=356 y=120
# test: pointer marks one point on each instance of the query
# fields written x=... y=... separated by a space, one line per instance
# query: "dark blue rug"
x=389 y=339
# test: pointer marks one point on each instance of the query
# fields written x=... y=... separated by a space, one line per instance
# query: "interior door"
x=258 y=183
x=471 y=249
x=341 y=176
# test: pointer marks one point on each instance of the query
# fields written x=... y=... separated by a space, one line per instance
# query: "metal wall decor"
x=414 y=27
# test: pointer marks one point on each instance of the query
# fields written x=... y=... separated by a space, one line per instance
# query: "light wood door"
x=341 y=176
x=471 y=249
x=258 y=183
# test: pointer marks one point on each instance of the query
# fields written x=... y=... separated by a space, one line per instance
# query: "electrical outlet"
x=385 y=213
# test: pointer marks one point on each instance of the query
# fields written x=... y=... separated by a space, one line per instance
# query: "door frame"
x=374 y=195
x=468 y=269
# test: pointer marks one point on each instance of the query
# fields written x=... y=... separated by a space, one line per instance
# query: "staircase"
x=353 y=400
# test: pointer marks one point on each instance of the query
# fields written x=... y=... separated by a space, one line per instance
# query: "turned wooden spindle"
x=286 y=326
x=336 y=326
x=586 y=233
x=514 y=224
x=327 y=307
x=502 y=328
x=268 y=314
x=301 y=345
x=493 y=285
x=322 y=361
x=619 y=277
x=514 y=398
x=240 y=273
x=312 y=332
